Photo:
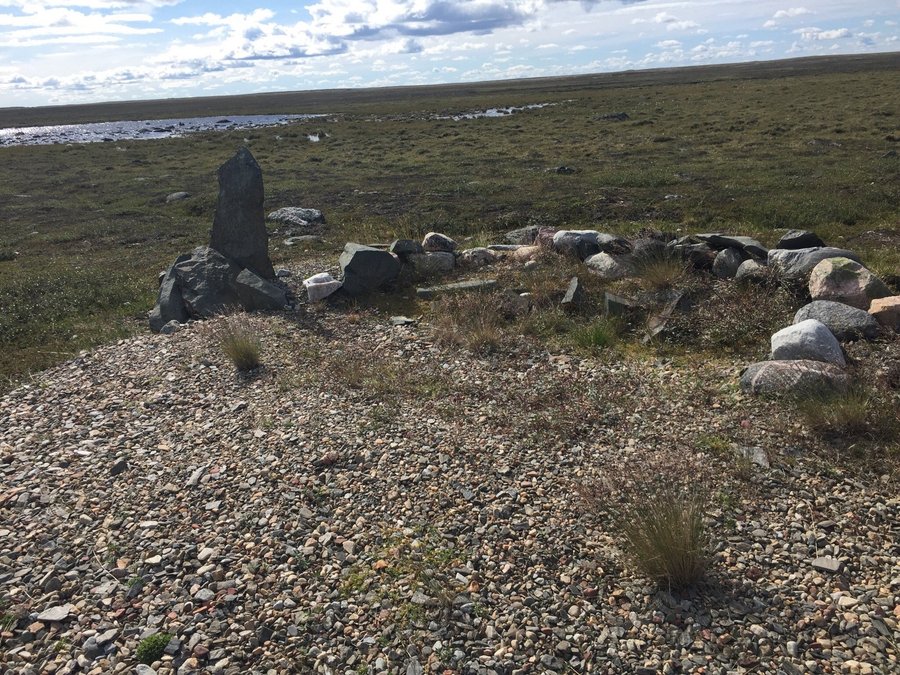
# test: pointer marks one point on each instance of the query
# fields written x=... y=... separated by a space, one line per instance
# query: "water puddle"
x=493 y=112
x=100 y=132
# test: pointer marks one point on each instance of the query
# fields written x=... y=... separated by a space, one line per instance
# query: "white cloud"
x=814 y=34
x=791 y=13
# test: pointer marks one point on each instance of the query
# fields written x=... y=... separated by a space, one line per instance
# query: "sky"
x=80 y=51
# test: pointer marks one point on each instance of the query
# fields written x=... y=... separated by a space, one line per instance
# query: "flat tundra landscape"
x=596 y=374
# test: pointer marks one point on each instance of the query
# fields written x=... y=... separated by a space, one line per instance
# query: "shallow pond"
x=135 y=130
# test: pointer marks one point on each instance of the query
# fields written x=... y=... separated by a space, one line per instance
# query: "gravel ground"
x=371 y=502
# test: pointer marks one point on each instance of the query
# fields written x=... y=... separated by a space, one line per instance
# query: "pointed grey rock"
x=239 y=226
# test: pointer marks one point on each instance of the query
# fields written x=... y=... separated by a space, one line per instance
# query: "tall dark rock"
x=239 y=227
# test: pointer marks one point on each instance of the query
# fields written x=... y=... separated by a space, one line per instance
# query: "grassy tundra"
x=749 y=149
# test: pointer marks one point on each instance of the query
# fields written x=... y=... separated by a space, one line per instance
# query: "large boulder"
x=523 y=235
x=169 y=303
x=475 y=258
x=844 y=322
x=608 y=267
x=751 y=270
x=798 y=263
x=808 y=340
x=887 y=311
x=366 y=269
x=844 y=280
x=793 y=378
x=796 y=239
x=432 y=264
x=207 y=283
x=436 y=242
x=239 y=226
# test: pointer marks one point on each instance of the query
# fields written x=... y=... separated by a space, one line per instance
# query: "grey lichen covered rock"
x=847 y=281
x=792 y=378
x=298 y=219
x=751 y=270
x=474 y=258
x=845 y=322
x=239 y=227
x=432 y=264
x=808 y=340
x=366 y=269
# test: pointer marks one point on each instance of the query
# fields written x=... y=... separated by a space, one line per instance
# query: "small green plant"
x=239 y=341
x=151 y=648
x=596 y=336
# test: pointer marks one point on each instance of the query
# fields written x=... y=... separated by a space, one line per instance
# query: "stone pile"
x=234 y=271
x=806 y=357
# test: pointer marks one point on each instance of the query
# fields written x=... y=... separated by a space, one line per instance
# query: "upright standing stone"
x=239 y=227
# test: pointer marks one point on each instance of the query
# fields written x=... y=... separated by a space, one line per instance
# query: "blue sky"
x=74 y=51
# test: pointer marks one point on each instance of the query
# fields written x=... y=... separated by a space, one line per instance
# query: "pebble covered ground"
x=371 y=502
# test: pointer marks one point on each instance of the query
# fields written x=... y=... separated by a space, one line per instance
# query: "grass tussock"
x=596 y=336
x=659 y=521
x=476 y=321
x=239 y=341
x=661 y=270
x=858 y=412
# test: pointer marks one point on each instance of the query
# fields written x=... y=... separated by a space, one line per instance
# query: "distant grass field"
x=754 y=148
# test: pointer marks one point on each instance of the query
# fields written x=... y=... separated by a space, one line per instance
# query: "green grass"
x=750 y=149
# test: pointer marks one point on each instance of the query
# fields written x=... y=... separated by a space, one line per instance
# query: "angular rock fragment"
x=437 y=242
x=796 y=239
x=887 y=311
x=366 y=269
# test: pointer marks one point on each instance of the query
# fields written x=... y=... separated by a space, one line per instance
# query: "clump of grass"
x=596 y=336
x=657 y=510
x=662 y=269
x=838 y=413
x=151 y=648
x=239 y=340
x=474 y=320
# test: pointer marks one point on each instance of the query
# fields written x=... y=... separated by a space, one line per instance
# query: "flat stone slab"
x=827 y=564
x=476 y=285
